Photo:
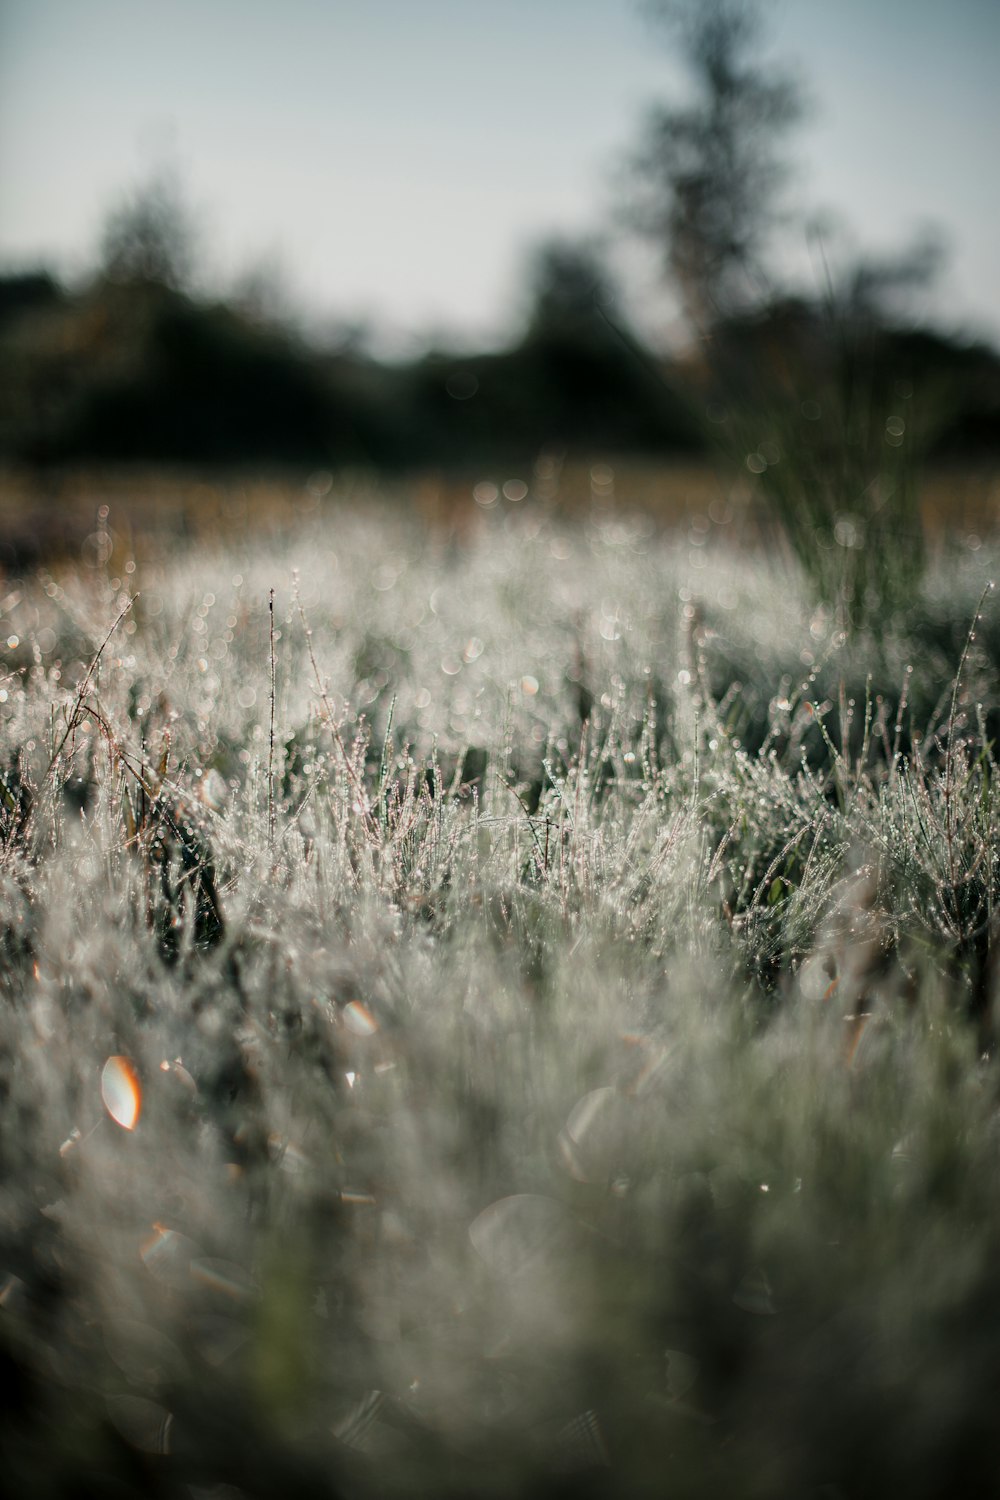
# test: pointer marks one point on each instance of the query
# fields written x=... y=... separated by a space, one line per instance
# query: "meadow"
x=496 y=1008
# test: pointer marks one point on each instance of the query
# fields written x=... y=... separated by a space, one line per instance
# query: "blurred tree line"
x=136 y=366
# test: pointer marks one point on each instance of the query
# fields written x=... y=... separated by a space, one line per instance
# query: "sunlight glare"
x=121 y=1092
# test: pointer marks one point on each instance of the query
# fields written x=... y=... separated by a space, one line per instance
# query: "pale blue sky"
x=399 y=157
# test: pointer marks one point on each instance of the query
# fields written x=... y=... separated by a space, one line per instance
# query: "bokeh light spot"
x=121 y=1092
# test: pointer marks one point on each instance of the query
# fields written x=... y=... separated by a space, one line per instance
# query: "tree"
x=150 y=237
x=570 y=287
x=707 y=174
x=587 y=376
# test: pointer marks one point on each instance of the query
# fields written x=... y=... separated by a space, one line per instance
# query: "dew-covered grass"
x=517 y=1019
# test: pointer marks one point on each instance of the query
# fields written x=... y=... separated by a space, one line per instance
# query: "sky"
x=394 y=161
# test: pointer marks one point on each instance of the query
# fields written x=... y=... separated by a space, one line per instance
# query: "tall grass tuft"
x=828 y=429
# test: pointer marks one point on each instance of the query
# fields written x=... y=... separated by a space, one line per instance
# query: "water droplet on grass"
x=359 y=1019
x=223 y=1276
x=754 y=1294
x=145 y=1425
x=167 y=1256
x=521 y=1233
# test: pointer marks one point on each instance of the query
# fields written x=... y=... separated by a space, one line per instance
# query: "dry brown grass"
x=51 y=519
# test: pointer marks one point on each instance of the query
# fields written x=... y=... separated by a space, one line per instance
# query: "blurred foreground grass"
x=524 y=1027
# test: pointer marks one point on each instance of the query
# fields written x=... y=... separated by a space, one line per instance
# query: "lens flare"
x=359 y=1019
x=121 y=1092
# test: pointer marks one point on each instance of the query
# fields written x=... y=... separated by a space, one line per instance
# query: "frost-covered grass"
x=559 y=1014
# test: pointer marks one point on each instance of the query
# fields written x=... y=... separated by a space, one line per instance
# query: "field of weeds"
x=498 y=1015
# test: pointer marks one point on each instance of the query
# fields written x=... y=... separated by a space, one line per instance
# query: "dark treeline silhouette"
x=138 y=366
x=142 y=371
x=135 y=367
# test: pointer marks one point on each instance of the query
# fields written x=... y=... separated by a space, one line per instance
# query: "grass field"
x=49 y=522
x=517 y=1018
